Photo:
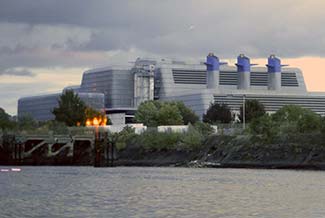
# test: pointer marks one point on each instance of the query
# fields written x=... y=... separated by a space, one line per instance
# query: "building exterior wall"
x=115 y=84
x=118 y=88
x=40 y=107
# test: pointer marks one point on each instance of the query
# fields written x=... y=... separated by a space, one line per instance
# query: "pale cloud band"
x=39 y=36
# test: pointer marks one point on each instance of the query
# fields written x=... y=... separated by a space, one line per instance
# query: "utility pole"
x=244 y=112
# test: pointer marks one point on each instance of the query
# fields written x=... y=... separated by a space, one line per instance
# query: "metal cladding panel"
x=273 y=103
x=122 y=89
x=115 y=84
x=94 y=100
x=38 y=107
x=274 y=81
x=212 y=79
x=243 y=80
x=99 y=82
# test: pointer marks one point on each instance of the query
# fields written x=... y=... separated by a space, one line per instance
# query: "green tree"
x=295 y=118
x=147 y=113
x=27 y=122
x=169 y=114
x=253 y=109
x=265 y=127
x=71 y=109
x=187 y=114
x=155 y=113
x=5 y=122
x=217 y=113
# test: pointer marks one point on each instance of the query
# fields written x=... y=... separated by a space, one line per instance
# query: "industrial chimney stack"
x=274 y=73
x=213 y=64
x=243 y=71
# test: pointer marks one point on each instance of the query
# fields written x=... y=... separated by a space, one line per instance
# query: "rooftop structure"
x=196 y=84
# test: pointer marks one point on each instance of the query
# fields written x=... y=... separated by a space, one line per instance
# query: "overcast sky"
x=46 y=45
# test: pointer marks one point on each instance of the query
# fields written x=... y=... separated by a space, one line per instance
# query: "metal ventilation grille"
x=274 y=103
x=289 y=79
x=259 y=79
x=189 y=77
x=228 y=78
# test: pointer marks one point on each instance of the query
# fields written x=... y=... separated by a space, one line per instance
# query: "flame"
x=88 y=122
x=95 y=121
x=104 y=121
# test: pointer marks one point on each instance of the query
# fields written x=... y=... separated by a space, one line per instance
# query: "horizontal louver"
x=189 y=77
x=274 y=103
x=289 y=79
x=230 y=78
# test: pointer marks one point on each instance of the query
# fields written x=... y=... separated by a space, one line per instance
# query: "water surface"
x=161 y=192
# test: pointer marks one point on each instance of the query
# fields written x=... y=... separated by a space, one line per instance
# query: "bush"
x=169 y=115
x=147 y=114
x=187 y=114
x=56 y=127
x=155 y=113
x=5 y=122
x=153 y=140
x=218 y=113
x=204 y=129
x=192 y=139
x=265 y=127
x=293 y=118
x=125 y=137
x=253 y=110
x=286 y=123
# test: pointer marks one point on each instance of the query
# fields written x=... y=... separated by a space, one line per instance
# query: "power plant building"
x=120 y=90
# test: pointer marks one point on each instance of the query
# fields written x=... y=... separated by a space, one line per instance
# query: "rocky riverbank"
x=240 y=151
x=232 y=151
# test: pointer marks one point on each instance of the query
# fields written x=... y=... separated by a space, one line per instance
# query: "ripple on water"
x=161 y=192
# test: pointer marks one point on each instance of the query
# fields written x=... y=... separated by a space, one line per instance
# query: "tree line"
x=72 y=111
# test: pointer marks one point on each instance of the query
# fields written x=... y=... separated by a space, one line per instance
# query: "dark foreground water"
x=161 y=192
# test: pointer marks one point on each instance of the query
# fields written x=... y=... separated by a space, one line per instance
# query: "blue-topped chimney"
x=213 y=64
x=244 y=71
x=243 y=63
x=273 y=64
x=274 y=72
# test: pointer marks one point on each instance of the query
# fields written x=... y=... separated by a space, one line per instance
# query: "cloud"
x=290 y=28
x=82 y=34
x=17 y=72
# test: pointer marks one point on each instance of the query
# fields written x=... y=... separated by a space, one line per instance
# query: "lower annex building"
x=119 y=90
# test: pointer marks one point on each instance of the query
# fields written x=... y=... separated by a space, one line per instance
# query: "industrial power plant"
x=120 y=90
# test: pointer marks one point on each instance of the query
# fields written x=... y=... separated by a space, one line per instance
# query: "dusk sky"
x=46 y=45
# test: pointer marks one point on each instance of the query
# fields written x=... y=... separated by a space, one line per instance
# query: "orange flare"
x=95 y=121
x=88 y=122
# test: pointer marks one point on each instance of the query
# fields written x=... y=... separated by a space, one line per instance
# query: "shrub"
x=204 y=129
x=253 y=109
x=153 y=140
x=218 y=113
x=192 y=139
x=265 y=127
x=293 y=118
x=155 y=113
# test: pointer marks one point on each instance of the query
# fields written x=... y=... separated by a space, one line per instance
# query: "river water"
x=160 y=192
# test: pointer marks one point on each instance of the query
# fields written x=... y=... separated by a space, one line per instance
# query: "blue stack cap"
x=243 y=63
x=274 y=64
x=213 y=63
